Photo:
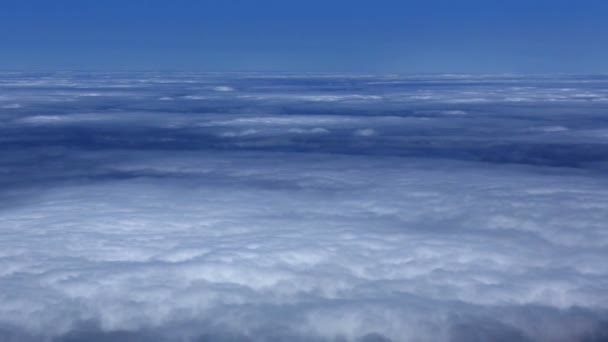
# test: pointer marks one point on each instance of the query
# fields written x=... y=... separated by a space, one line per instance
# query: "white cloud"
x=125 y=221
x=365 y=132
x=316 y=130
x=241 y=133
x=223 y=88
x=11 y=106
x=454 y=112
x=550 y=129
x=393 y=247
x=195 y=97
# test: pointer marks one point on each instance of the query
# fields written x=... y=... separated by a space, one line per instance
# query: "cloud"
x=223 y=88
x=124 y=218
x=366 y=132
x=11 y=106
x=316 y=130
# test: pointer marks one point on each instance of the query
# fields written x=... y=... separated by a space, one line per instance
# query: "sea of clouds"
x=290 y=207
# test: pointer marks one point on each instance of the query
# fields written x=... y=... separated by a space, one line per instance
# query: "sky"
x=303 y=171
x=382 y=36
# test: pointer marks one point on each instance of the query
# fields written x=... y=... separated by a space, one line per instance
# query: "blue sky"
x=330 y=36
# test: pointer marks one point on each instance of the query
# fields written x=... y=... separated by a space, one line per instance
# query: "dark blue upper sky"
x=406 y=36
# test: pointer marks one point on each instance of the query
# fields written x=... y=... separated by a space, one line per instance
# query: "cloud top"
x=260 y=215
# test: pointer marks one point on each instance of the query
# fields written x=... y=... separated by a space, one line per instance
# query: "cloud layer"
x=283 y=207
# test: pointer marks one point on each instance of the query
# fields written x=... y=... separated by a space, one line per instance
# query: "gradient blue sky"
x=404 y=36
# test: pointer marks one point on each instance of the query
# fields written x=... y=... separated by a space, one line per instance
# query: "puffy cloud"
x=239 y=220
